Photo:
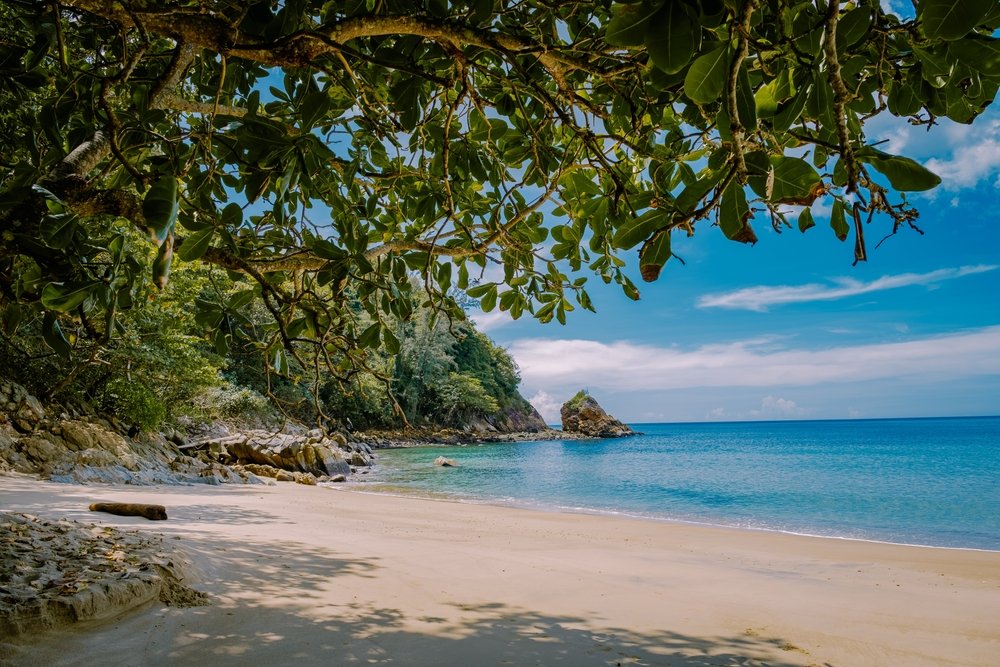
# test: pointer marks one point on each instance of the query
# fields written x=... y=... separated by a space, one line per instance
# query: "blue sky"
x=788 y=329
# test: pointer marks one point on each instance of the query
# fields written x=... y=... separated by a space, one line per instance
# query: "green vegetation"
x=579 y=398
x=162 y=366
x=308 y=184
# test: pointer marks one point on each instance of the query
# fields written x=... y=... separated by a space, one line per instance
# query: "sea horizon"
x=558 y=426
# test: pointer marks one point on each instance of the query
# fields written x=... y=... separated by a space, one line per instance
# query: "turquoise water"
x=913 y=481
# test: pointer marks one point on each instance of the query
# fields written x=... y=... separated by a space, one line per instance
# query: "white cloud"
x=975 y=156
x=547 y=406
x=773 y=406
x=625 y=366
x=761 y=297
x=491 y=321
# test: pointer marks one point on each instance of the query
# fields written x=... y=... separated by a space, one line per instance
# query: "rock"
x=306 y=478
x=71 y=575
x=338 y=478
x=445 y=463
x=40 y=451
x=284 y=476
x=290 y=452
x=582 y=414
x=77 y=436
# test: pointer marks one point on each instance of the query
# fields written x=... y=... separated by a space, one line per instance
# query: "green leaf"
x=671 y=38
x=369 y=337
x=232 y=215
x=628 y=25
x=53 y=336
x=65 y=297
x=904 y=99
x=58 y=229
x=806 y=220
x=980 y=53
x=706 y=77
x=314 y=106
x=488 y=301
x=390 y=341
x=746 y=106
x=636 y=230
x=654 y=254
x=951 y=19
x=161 y=265
x=838 y=221
x=11 y=318
x=904 y=174
x=222 y=338
x=281 y=361
x=853 y=26
x=768 y=97
x=160 y=207
x=196 y=244
x=794 y=181
x=734 y=215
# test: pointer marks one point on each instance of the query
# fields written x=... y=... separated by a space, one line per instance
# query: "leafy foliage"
x=317 y=155
x=133 y=402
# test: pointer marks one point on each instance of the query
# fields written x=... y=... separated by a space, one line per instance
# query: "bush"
x=133 y=403
x=232 y=402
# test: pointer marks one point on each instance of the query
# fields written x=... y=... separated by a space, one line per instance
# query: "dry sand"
x=309 y=575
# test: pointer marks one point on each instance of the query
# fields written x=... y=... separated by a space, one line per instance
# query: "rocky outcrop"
x=86 y=448
x=56 y=573
x=582 y=414
x=515 y=419
x=312 y=452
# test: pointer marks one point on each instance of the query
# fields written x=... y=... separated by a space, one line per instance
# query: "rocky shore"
x=417 y=437
x=54 y=573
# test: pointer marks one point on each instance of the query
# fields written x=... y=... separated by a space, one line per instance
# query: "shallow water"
x=914 y=481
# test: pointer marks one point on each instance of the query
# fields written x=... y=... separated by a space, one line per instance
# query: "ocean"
x=933 y=482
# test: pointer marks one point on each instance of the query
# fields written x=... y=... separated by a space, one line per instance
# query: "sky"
x=788 y=329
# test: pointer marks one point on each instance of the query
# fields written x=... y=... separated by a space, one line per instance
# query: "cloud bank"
x=761 y=297
x=624 y=366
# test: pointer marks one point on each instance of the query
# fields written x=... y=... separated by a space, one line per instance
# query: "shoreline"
x=355 y=576
x=357 y=486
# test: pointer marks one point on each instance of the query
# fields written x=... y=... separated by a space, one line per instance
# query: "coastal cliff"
x=583 y=414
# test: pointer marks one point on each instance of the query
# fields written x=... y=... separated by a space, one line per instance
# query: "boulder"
x=445 y=463
x=582 y=414
x=288 y=452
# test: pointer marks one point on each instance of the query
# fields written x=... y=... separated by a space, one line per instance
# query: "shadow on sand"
x=292 y=603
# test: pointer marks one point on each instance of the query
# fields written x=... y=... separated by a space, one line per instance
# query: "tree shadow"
x=288 y=605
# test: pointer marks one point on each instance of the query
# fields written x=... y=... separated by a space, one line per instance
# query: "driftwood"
x=151 y=512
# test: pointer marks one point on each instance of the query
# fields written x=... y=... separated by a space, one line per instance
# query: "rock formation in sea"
x=582 y=414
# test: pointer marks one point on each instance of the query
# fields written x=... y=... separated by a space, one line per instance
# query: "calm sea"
x=913 y=481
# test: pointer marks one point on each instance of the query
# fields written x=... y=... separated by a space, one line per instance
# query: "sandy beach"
x=312 y=575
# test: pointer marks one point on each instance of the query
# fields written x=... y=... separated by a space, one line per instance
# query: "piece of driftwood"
x=151 y=512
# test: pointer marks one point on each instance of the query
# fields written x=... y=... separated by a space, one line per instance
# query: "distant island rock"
x=582 y=414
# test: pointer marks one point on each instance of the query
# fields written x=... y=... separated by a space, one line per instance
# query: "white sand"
x=306 y=575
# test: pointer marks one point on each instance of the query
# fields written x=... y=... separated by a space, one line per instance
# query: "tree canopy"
x=318 y=154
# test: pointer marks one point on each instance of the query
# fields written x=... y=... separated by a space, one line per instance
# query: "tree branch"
x=735 y=123
x=841 y=95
